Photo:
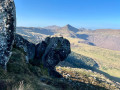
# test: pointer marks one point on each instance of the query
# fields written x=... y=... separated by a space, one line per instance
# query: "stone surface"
x=49 y=52
x=7 y=30
x=57 y=50
x=28 y=47
x=40 y=49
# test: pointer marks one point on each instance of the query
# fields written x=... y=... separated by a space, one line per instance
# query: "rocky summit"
x=7 y=30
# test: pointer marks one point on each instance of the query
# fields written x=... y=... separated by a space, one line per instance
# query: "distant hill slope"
x=104 y=38
x=109 y=39
x=54 y=27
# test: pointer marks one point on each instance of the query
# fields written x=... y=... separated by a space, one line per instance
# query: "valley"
x=100 y=47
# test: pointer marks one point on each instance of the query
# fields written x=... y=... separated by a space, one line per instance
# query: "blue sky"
x=79 y=13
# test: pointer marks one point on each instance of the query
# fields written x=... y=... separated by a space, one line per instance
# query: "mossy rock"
x=17 y=62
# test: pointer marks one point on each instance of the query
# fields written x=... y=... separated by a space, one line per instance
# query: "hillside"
x=23 y=76
x=107 y=60
x=108 y=39
x=87 y=76
x=97 y=46
x=26 y=76
x=76 y=60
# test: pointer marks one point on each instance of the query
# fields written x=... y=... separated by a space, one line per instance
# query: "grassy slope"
x=87 y=76
x=23 y=76
x=76 y=60
x=108 y=60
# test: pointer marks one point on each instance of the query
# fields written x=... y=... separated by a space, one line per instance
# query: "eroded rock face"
x=57 y=50
x=52 y=51
x=27 y=46
x=7 y=30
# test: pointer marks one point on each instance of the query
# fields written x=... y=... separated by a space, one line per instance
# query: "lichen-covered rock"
x=28 y=47
x=40 y=49
x=57 y=50
x=7 y=30
x=49 y=52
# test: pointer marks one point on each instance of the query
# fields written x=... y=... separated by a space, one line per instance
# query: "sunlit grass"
x=87 y=76
x=108 y=60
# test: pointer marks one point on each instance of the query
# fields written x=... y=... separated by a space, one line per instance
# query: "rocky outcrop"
x=52 y=51
x=49 y=52
x=29 y=48
x=57 y=50
x=7 y=30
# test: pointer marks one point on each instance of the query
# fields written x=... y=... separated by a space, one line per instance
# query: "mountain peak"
x=71 y=28
x=68 y=25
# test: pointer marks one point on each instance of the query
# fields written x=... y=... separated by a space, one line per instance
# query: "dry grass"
x=87 y=76
x=108 y=60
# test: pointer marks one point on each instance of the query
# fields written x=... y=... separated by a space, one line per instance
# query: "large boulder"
x=52 y=51
x=28 y=47
x=7 y=30
x=57 y=50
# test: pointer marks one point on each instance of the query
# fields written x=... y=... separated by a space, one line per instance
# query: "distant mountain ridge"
x=104 y=38
x=54 y=27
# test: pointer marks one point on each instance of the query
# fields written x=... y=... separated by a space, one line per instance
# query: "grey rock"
x=57 y=50
x=40 y=49
x=7 y=30
x=49 y=52
x=28 y=47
